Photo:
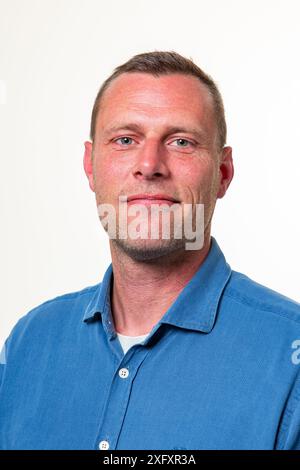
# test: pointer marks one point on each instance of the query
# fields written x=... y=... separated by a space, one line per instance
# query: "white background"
x=54 y=54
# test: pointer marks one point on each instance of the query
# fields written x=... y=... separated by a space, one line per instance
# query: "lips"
x=147 y=199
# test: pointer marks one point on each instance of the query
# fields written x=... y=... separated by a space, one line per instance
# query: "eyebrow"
x=197 y=132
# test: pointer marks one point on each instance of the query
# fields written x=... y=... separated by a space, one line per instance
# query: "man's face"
x=157 y=135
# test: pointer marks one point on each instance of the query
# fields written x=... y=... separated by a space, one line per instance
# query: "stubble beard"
x=148 y=250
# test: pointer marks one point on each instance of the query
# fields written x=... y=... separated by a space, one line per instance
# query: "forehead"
x=159 y=98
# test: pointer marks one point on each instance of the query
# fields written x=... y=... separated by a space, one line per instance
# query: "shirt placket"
x=118 y=398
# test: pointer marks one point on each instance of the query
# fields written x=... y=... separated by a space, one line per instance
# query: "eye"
x=181 y=143
x=124 y=140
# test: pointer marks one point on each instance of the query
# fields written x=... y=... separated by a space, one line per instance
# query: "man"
x=173 y=350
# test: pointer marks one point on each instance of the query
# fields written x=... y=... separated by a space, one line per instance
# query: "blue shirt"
x=218 y=371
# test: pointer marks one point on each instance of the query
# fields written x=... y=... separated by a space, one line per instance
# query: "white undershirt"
x=128 y=341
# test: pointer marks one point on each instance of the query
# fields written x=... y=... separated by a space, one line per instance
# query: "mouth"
x=148 y=199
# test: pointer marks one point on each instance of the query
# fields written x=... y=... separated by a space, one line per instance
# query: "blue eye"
x=125 y=140
x=182 y=142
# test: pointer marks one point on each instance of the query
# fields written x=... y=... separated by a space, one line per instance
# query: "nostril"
x=150 y=168
x=148 y=174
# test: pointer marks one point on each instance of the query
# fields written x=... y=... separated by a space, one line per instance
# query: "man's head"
x=158 y=128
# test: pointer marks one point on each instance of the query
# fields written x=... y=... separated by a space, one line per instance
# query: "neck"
x=143 y=291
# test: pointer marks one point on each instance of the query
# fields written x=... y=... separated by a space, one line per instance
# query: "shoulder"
x=70 y=299
x=249 y=293
x=54 y=313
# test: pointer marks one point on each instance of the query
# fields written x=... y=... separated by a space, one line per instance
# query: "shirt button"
x=103 y=445
x=123 y=373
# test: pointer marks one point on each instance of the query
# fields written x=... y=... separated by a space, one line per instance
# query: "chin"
x=147 y=250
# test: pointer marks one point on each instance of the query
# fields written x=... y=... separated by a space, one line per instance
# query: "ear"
x=226 y=171
x=88 y=163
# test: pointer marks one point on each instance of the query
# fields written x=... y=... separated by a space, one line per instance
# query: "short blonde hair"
x=162 y=63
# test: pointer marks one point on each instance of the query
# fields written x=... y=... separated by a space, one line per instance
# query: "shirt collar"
x=99 y=306
x=195 y=307
x=197 y=304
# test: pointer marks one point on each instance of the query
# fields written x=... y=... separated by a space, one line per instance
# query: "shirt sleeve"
x=293 y=436
x=290 y=433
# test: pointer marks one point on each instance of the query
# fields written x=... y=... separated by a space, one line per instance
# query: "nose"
x=151 y=162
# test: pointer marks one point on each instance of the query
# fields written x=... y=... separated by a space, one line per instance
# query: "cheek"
x=108 y=177
x=199 y=177
x=109 y=164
